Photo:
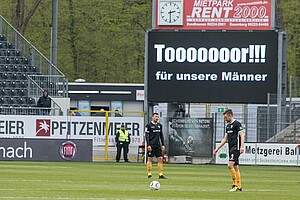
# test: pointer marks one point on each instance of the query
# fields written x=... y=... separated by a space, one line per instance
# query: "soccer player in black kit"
x=235 y=136
x=155 y=145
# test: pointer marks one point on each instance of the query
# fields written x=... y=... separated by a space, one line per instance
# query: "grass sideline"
x=100 y=180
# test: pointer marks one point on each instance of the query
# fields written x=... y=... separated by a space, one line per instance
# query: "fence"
x=184 y=136
x=103 y=126
x=262 y=125
x=55 y=84
x=53 y=111
x=54 y=80
x=36 y=58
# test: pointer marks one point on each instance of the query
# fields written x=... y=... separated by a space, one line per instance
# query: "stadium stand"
x=25 y=73
x=14 y=70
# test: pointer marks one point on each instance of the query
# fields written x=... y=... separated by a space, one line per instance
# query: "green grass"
x=99 y=180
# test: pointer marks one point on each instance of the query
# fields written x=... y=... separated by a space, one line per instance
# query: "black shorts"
x=234 y=156
x=156 y=151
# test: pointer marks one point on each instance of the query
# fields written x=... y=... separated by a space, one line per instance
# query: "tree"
x=104 y=41
x=290 y=22
x=20 y=19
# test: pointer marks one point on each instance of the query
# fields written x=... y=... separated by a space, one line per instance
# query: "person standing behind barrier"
x=44 y=103
x=117 y=113
x=75 y=113
x=123 y=141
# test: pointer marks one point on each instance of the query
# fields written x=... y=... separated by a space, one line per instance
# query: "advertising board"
x=263 y=154
x=214 y=14
x=45 y=149
x=78 y=127
x=217 y=67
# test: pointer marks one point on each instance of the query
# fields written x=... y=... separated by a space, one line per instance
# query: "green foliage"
x=291 y=24
x=103 y=41
x=99 y=180
x=98 y=40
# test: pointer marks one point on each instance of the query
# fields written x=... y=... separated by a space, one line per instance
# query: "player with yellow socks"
x=234 y=135
x=155 y=145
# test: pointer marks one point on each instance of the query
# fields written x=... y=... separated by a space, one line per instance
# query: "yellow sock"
x=149 y=168
x=233 y=176
x=238 y=179
x=160 y=168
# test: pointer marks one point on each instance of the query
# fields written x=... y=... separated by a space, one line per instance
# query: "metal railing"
x=262 y=126
x=54 y=84
x=34 y=56
x=10 y=110
x=53 y=79
x=290 y=134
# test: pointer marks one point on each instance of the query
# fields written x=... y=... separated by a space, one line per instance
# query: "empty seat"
x=20 y=60
x=16 y=60
x=15 y=101
x=24 y=68
x=9 y=76
x=21 y=84
x=5 y=101
x=2 y=92
x=9 y=45
x=20 y=68
x=10 y=100
x=12 y=76
x=7 y=92
x=7 y=68
x=11 y=92
x=2 y=52
x=2 y=84
x=23 y=101
x=3 y=60
x=2 y=68
x=25 y=61
x=31 y=68
x=10 y=52
x=3 y=44
x=30 y=101
x=19 y=101
x=9 y=61
x=14 y=68
x=12 y=84
x=2 y=38
x=13 y=60
x=4 y=76
x=21 y=76
x=21 y=92
x=2 y=101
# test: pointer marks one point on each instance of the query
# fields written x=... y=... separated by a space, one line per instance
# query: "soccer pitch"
x=100 y=180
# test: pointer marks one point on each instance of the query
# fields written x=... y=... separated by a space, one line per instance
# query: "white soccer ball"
x=154 y=185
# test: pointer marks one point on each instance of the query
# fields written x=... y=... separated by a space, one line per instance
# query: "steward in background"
x=122 y=142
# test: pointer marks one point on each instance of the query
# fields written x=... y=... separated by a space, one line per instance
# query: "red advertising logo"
x=67 y=150
x=42 y=127
x=223 y=15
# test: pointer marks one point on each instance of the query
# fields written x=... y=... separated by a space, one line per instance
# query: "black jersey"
x=154 y=134
x=234 y=139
